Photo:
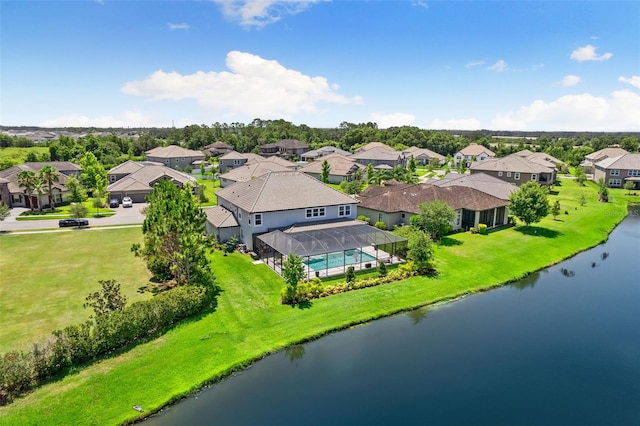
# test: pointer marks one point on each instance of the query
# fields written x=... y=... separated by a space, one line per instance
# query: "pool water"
x=338 y=259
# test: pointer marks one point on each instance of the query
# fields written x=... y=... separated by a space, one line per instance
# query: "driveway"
x=123 y=216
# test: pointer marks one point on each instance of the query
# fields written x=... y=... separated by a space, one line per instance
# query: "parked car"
x=127 y=202
x=114 y=202
x=62 y=223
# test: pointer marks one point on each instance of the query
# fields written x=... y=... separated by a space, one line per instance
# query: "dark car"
x=114 y=202
x=72 y=222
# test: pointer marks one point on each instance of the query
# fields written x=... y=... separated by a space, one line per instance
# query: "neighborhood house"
x=175 y=157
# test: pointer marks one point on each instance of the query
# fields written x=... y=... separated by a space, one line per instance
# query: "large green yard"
x=249 y=321
x=44 y=278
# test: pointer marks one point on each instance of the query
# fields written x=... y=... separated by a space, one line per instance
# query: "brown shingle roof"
x=606 y=153
x=340 y=165
x=252 y=170
x=626 y=161
x=510 y=163
x=406 y=198
x=145 y=177
x=173 y=151
x=220 y=217
x=475 y=150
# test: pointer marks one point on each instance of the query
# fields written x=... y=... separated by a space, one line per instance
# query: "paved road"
x=123 y=216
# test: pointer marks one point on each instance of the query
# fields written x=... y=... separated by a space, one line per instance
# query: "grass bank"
x=45 y=277
x=249 y=321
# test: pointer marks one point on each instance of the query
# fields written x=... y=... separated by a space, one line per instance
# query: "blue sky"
x=512 y=65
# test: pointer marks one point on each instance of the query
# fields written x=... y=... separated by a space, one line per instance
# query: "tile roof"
x=475 y=150
x=220 y=217
x=626 y=161
x=286 y=144
x=418 y=152
x=252 y=170
x=372 y=145
x=510 y=163
x=378 y=153
x=406 y=198
x=145 y=177
x=274 y=160
x=605 y=153
x=61 y=166
x=482 y=182
x=276 y=191
x=340 y=165
x=324 y=151
x=173 y=151
x=10 y=176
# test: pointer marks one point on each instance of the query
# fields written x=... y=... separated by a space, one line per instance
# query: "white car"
x=127 y=202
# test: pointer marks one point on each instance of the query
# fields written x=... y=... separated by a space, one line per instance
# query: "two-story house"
x=616 y=171
x=174 y=156
x=588 y=164
x=423 y=156
x=380 y=156
x=471 y=153
x=277 y=200
x=286 y=148
x=234 y=159
x=341 y=168
x=517 y=169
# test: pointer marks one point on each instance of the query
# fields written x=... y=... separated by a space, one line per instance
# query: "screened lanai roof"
x=328 y=237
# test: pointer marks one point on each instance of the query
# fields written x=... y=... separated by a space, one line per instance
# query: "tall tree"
x=326 y=169
x=77 y=194
x=435 y=218
x=412 y=166
x=107 y=300
x=529 y=203
x=28 y=180
x=293 y=273
x=5 y=211
x=175 y=242
x=49 y=176
x=93 y=175
x=555 y=209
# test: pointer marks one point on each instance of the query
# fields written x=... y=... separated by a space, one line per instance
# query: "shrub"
x=364 y=218
x=380 y=225
x=382 y=269
x=473 y=230
x=482 y=229
x=78 y=344
x=350 y=276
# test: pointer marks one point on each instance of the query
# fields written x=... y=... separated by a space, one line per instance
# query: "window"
x=315 y=212
x=534 y=176
x=239 y=214
x=402 y=215
x=615 y=172
x=458 y=217
x=344 y=211
x=237 y=162
x=615 y=182
x=499 y=173
x=257 y=219
x=633 y=172
x=516 y=176
x=508 y=174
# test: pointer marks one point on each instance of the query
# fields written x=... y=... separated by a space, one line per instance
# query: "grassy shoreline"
x=249 y=322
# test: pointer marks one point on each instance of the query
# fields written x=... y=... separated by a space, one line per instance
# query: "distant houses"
x=616 y=171
x=518 y=168
x=341 y=168
x=234 y=159
x=588 y=164
x=286 y=148
x=174 y=156
x=471 y=153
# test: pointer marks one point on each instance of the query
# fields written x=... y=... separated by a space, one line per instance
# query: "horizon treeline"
x=114 y=146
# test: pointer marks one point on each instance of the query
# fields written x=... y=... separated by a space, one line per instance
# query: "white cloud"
x=259 y=13
x=474 y=64
x=182 y=26
x=499 y=66
x=570 y=80
x=634 y=80
x=588 y=53
x=422 y=4
x=455 y=124
x=255 y=87
x=396 y=119
x=617 y=112
x=127 y=119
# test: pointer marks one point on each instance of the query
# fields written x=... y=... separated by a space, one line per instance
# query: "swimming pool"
x=338 y=259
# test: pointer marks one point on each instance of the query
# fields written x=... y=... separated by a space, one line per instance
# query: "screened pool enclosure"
x=329 y=248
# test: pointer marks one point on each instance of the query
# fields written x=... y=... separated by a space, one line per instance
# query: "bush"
x=473 y=230
x=482 y=229
x=364 y=218
x=382 y=269
x=380 y=225
x=350 y=276
x=78 y=344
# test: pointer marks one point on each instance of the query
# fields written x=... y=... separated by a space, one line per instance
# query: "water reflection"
x=417 y=315
x=527 y=282
x=294 y=353
x=569 y=273
x=604 y=255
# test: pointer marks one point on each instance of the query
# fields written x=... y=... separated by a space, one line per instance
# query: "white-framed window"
x=633 y=173
x=516 y=176
x=315 y=212
x=614 y=172
x=508 y=174
x=615 y=182
x=344 y=211
x=237 y=162
x=257 y=219
x=534 y=176
x=499 y=173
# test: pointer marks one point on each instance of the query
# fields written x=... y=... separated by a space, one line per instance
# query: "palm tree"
x=49 y=175
x=39 y=189
x=27 y=180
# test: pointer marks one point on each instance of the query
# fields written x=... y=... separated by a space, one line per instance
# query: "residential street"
x=123 y=216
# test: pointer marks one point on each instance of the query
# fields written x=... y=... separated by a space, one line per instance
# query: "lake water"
x=561 y=347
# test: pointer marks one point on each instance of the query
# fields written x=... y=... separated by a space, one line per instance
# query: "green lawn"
x=250 y=322
x=63 y=211
x=45 y=277
x=19 y=155
x=210 y=189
